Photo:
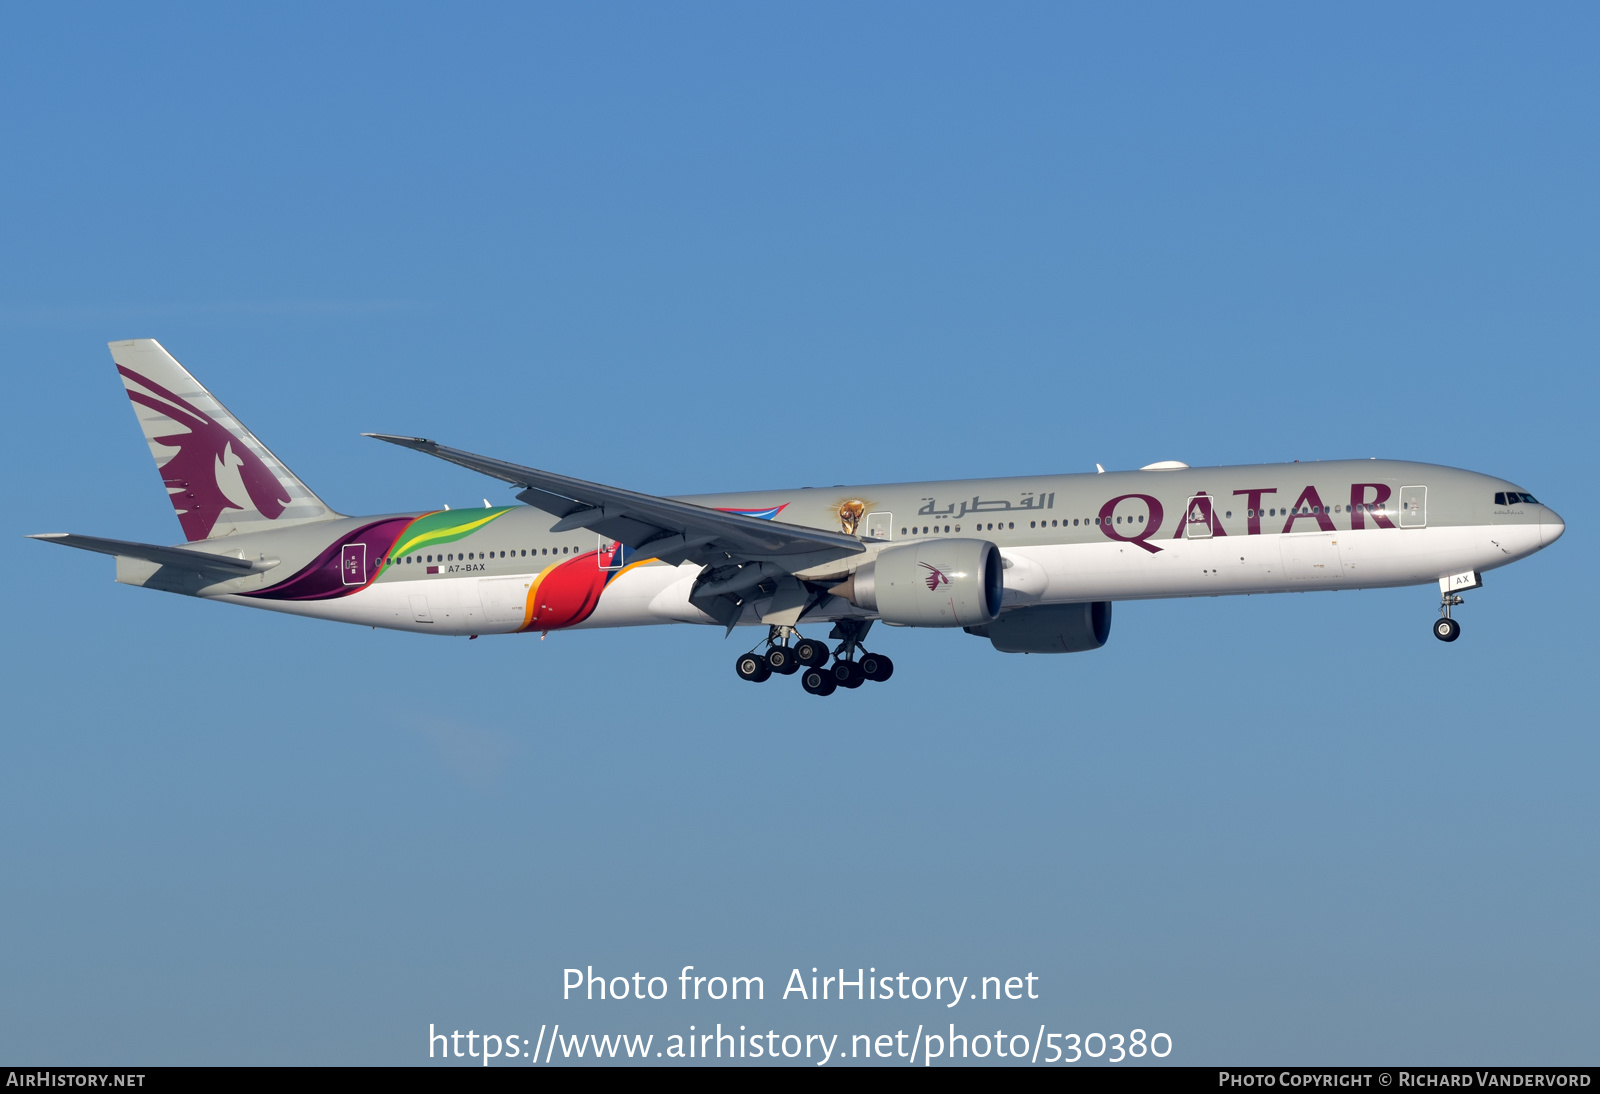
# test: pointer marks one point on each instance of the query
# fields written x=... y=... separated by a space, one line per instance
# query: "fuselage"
x=1346 y=524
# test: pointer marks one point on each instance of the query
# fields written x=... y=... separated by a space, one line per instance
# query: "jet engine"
x=1049 y=628
x=935 y=583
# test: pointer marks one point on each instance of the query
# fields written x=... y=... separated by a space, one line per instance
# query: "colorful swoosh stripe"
x=446 y=526
x=759 y=514
x=567 y=593
x=325 y=578
x=564 y=594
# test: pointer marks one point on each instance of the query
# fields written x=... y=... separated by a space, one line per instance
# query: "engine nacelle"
x=1050 y=628
x=932 y=583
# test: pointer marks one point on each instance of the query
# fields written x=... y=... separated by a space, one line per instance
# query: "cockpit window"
x=1512 y=497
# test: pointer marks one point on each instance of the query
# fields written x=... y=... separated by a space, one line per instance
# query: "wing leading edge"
x=740 y=552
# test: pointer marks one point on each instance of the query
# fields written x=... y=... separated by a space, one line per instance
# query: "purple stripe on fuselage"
x=324 y=578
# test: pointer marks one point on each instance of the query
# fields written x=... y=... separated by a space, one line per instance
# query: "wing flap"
x=554 y=504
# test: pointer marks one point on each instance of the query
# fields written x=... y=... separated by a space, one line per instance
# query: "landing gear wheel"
x=1447 y=630
x=876 y=667
x=752 y=667
x=811 y=653
x=781 y=660
x=847 y=674
x=818 y=681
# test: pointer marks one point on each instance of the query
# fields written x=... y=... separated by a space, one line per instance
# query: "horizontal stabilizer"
x=182 y=557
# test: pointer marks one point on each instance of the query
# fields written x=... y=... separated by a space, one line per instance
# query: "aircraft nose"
x=1550 y=528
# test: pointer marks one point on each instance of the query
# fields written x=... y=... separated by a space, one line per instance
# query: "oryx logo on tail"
x=216 y=472
x=212 y=470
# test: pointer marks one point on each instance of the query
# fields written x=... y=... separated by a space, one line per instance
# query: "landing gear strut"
x=781 y=657
x=1446 y=629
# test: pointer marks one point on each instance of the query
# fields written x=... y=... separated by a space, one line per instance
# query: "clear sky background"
x=705 y=247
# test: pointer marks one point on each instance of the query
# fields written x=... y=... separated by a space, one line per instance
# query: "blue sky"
x=725 y=247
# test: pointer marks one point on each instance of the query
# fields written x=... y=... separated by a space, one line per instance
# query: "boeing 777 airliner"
x=1033 y=564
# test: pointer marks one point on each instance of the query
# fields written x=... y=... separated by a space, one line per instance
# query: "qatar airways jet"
x=1032 y=564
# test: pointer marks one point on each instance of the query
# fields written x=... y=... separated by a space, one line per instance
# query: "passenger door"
x=1413 y=507
x=353 y=563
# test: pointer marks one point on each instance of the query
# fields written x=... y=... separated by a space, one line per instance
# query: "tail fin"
x=220 y=478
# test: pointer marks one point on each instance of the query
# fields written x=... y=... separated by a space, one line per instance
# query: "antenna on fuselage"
x=1100 y=469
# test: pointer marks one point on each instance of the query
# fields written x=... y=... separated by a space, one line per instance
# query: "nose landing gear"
x=1446 y=629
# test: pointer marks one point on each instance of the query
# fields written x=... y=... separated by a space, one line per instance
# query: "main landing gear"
x=852 y=666
x=1446 y=629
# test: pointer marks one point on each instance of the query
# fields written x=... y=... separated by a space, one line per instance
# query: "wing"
x=740 y=552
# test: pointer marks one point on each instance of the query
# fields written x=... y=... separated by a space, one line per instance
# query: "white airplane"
x=1033 y=564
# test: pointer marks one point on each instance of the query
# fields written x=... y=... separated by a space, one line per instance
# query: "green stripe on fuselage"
x=445 y=527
